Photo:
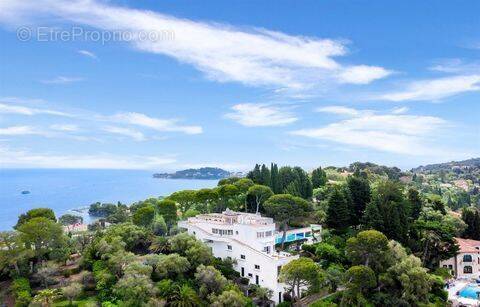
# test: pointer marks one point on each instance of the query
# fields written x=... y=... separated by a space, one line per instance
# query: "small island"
x=208 y=173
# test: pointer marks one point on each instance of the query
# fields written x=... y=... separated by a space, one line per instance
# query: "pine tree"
x=416 y=203
x=265 y=175
x=338 y=211
x=274 y=183
x=372 y=219
x=319 y=178
x=255 y=175
x=359 y=189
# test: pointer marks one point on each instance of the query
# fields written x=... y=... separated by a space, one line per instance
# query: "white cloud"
x=136 y=135
x=21 y=130
x=260 y=115
x=22 y=100
x=339 y=110
x=256 y=57
x=65 y=127
x=25 y=159
x=62 y=80
x=362 y=74
x=22 y=110
x=435 y=89
x=88 y=54
x=400 y=110
x=395 y=133
x=158 y=124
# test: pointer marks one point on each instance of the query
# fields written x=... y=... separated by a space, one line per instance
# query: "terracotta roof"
x=468 y=246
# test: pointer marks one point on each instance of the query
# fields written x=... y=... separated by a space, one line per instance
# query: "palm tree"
x=184 y=296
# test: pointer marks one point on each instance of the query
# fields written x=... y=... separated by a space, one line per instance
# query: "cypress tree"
x=274 y=183
x=319 y=178
x=338 y=211
x=255 y=175
x=416 y=203
x=265 y=175
x=359 y=189
x=372 y=219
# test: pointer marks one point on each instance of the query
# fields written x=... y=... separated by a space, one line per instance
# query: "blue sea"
x=72 y=191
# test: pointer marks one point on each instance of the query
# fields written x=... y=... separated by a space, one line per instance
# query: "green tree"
x=195 y=251
x=372 y=219
x=69 y=219
x=243 y=185
x=13 y=253
x=255 y=175
x=209 y=280
x=207 y=198
x=328 y=254
x=168 y=209
x=159 y=226
x=42 y=236
x=285 y=208
x=319 y=178
x=230 y=298
x=171 y=266
x=72 y=291
x=334 y=276
x=46 y=297
x=260 y=194
x=274 y=183
x=416 y=203
x=295 y=180
x=185 y=199
x=46 y=272
x=436 y=233
x=338 y=210
x=134 y=289
x=471 y=217
x=144 y=216
x=359 y=190
x=265 y=175
x=301 y=272
x=408 y=280
x=184 y=296
x=369 y=248
x=33 y=213
x=393 y=209
x=359 y=279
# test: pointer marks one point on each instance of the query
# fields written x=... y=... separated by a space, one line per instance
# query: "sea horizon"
x=70 y=190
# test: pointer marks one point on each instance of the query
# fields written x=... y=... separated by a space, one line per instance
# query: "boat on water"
x=25 y=192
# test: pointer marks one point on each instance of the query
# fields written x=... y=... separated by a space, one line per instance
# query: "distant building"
x=250 y=240
x=466 y=263
x=77 y=227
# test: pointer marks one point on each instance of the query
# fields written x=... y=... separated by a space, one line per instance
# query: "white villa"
x=250 y=240
x=466 y=264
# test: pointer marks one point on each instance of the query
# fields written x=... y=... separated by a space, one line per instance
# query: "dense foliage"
x=385 y=232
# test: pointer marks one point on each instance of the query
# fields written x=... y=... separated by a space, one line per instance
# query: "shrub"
x=21 y=291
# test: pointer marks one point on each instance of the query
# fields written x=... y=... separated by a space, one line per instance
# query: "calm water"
x=64 y=190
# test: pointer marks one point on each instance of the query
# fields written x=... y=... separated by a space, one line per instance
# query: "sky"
x=167 y=85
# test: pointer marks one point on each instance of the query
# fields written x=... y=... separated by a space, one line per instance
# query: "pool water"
x=470 y=291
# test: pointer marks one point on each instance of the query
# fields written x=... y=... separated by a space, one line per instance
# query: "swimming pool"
x=470 y=291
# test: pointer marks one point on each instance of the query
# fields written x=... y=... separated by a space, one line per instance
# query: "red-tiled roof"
x=468 y=246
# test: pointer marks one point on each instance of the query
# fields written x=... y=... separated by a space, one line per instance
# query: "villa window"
x=260 y=234
x=467 y=258
x=467 y=269
x=242 y=257
x=268 y=233
x=257 y=267
x=229 y=247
